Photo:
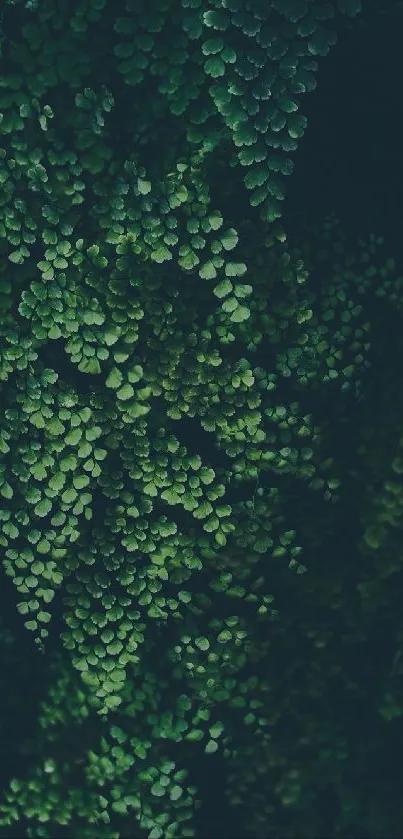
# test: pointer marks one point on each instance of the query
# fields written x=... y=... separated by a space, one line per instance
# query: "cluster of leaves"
x=165 y=440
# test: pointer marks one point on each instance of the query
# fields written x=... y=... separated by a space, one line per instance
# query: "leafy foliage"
x=175 y=397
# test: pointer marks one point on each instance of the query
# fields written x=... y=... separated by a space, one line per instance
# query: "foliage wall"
x=201 y=444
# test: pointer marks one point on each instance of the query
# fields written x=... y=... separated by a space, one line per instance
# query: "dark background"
x=350 y=159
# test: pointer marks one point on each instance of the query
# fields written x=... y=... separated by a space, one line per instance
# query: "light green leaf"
x=240 y=314
x=202 y=643
x=125 y=392
x=144 y=187
x=230 y=304
x=69 y=495
x=211 y=747
x=55 y=427
x=112 y=701
x=224 y=287
x=158 y=790
x=235 y=269
x=175 y=792
x=115 y=378
x=37 y=420
x=207 y=271
x=111 y=335
x=196 y=734
x=119 y=806
x=73 y=437
x=170 y=496
x=161 y=254
x=229 y=239
x=216 y=729
x=16 y=257
x=242 y=290
x=215 y=220
x=43 y=508
x=189 y=261
x=6 y=490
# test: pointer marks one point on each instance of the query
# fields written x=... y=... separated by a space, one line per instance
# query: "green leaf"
x=203 y=510
x=111 y=335
x=114 y=648
x=125 y=392
x=161 y=254
x=112 y=701
x=114 y=378
x=215 y=220
x=175 y=792
x=244 y=135
x=185 y=596
x=202 y=643
x=196 y=734
x=242 y=290
x=207 y=271
x=240 y=314
x=90 y=317
x=216 y=19
x=90 y=365
x=80 y=664
x=211 y=524
x=230 y=304
x=55 y=427
x=73 y=437
x=256 y=177
x=118 y=734
x=170 y=496
x=49 y=376
x=207 y=475
x=158 y=790
x=69 y=495
x=120 y=807
x=213 y=45
x=211 y=747
x=288 y=105
x=144 y=187
x=214 y=67
x=229 y=239
x=189 y=261
x=216 y=729
x=235 y=269
x=224 y=636
x=6 y=490
x=195 y=461
x=80 y=481
x=16 y=256
x=43 y=508
x=223 y=288
x=37 y=420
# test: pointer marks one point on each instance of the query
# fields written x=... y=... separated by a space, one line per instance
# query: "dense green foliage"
x=200 y=437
